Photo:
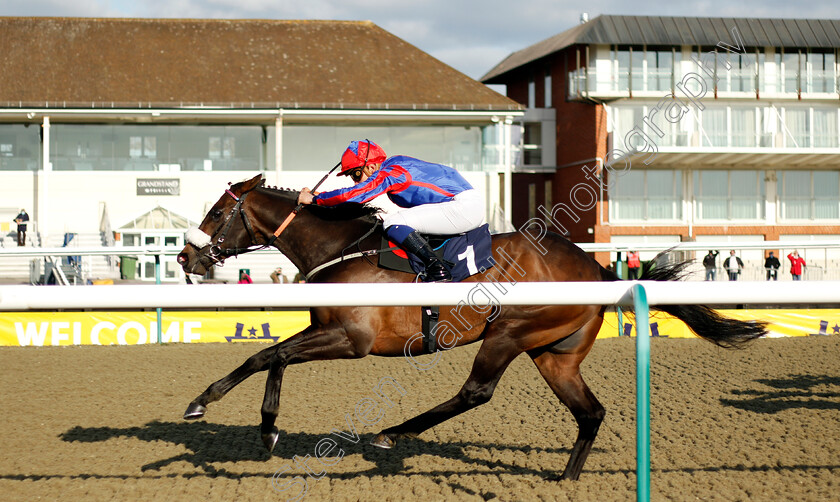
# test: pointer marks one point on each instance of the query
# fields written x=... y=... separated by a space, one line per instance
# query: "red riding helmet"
x=360 y=154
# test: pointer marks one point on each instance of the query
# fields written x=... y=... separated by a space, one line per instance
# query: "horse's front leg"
x=217 y=390
x=320 y=344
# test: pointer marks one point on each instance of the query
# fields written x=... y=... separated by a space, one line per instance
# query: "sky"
x=472 y=36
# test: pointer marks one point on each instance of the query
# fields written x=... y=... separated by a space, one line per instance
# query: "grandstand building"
x=673 y=129
x=136 y=126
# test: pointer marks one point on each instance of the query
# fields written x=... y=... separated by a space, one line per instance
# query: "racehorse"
x=557 y=338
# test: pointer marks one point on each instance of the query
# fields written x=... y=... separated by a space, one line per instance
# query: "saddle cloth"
x=469 y=253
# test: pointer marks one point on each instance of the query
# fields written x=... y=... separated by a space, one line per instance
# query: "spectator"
x=244 y=278
x=299 y=278
x=710 y=262
x=771 y=264
x=21 y=220
x=797 y=263
x=633 y=265
x=277 y=276
x=733 y=265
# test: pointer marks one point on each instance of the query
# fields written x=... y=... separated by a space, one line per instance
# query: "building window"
x=532 y=92
x=532 y=144
x=532 y=200
x=790 y=70
x=659 y=68
x=142 y=147
x=19 y=147
x=820 y=72
x=547 y=85
x=798 y=128
x=654 y=195
x=743 y=127
x=729 y=195
x=825 y=127
x=715 y=131
x=810 y=195
x=741 y=76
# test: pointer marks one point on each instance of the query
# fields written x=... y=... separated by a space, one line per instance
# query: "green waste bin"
x=128 y=267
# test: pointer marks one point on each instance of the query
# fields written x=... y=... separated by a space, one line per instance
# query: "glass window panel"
x=627 y=117
x=796 y=184
x=743 y=127
x=827 y=184
x=637 y=68
x=727 y=195
x=825 y=128
x=646 y=195
x=631 y=209
x=714 y=127
x=714 y=183
x=826 y=195
x=744 y=183
x=81 y=147
x=796 y=122
x=20 y=147
x=663 y=204
x=790 y=60
x=810 y=195
x=622 y=58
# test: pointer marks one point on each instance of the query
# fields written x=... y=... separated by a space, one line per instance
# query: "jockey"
x=436 y=198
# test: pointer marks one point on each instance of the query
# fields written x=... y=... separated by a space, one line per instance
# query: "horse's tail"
x=702 y=320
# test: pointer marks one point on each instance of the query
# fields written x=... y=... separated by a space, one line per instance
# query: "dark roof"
x=87 y=62
x=660 y=30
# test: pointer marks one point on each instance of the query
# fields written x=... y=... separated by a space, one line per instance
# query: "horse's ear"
x=253 y=183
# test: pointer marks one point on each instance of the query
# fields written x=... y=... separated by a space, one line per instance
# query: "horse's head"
x=225 y=231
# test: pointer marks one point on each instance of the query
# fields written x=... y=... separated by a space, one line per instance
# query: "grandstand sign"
x=158 y=186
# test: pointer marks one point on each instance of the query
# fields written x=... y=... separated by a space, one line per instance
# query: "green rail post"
x=159 y=312
x=618 y=272
x=640 y=303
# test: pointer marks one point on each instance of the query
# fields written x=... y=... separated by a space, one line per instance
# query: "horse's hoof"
x=194 y=410
x=383 y=441
x=270 y=439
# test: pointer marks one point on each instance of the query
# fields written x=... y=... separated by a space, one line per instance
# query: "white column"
x=508 y=166
x=278 y=147
x=42 y=226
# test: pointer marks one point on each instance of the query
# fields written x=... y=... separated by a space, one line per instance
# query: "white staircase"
x=22 y=269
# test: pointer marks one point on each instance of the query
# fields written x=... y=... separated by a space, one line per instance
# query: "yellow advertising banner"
x=797 y=322
x=132 y=328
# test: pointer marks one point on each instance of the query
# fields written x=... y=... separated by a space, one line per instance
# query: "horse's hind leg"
x=562 y=373
x=494 y=356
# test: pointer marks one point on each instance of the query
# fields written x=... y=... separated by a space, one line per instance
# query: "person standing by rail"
x=797 y=263
x=771 y=264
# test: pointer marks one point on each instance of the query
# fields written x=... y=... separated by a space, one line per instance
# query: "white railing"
x=481 y=295
x=588 y=247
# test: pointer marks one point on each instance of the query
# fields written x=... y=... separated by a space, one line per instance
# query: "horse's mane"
x=343 y=212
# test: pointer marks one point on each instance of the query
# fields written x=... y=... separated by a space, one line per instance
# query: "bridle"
x=215 y=252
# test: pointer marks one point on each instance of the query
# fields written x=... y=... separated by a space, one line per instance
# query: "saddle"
x=465 y=254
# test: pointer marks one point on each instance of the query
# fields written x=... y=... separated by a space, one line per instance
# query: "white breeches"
x=463 y=213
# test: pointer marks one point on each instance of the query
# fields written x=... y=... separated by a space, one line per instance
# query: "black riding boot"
x=436 y=269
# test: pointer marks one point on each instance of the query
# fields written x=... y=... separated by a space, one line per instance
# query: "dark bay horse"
x=556 y=338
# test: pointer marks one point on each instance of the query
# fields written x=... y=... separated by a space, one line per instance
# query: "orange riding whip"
x=297 y=209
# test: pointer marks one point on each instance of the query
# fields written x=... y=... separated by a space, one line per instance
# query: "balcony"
x=605 y=83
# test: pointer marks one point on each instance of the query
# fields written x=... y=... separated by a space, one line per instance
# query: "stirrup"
x=442 y=275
